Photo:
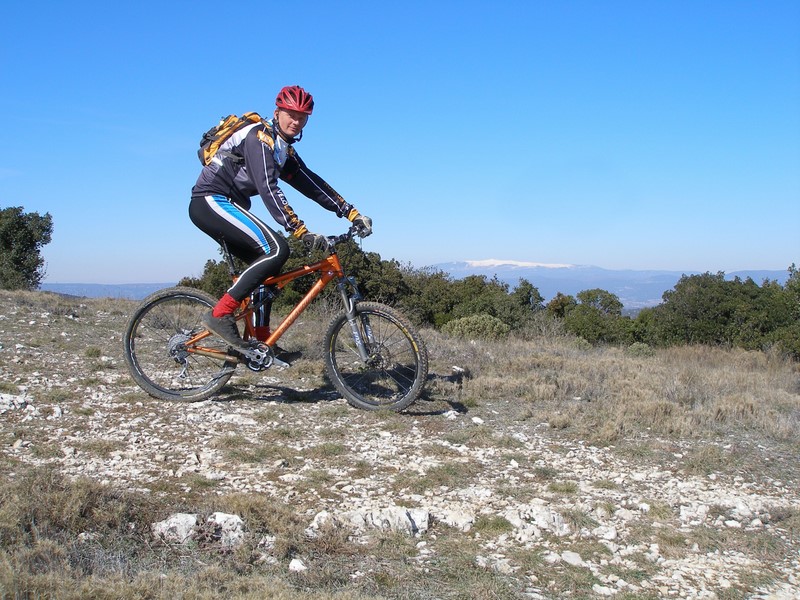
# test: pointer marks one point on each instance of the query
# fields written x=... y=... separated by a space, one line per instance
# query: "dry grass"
x=604 y=395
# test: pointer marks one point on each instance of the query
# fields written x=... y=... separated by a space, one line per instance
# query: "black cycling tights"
x=246 y=236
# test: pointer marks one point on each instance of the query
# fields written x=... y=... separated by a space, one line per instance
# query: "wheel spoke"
x=158 y=356
x=394 y=373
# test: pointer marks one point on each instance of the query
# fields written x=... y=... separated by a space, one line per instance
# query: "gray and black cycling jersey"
x=251 y=162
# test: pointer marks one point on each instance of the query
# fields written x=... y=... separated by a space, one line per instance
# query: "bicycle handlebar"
x=333 y=240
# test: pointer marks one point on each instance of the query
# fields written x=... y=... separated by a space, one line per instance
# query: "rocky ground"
x=533 y=502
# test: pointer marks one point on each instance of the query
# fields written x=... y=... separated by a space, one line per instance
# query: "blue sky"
x=626 y=135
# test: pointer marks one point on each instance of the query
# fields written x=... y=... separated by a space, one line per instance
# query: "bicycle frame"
x=329 y=269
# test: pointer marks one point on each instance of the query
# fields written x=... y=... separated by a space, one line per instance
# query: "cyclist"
x=250 y=162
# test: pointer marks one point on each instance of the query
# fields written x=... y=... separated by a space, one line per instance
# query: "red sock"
x=262 y=333
x=226 y=306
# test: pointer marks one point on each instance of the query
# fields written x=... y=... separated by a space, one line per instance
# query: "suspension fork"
x=349 y=301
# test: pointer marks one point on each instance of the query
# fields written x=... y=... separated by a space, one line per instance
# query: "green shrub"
x=481 y=326
x=599 y=325
x=788 y=339
x=711 y=309
x=22 y=236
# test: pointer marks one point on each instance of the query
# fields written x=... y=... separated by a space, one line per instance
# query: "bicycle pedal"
x=257 y=356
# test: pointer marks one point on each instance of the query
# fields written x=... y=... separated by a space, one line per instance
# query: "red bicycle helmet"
x=293 y=97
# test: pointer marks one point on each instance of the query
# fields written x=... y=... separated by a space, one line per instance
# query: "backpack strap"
x=229 y=155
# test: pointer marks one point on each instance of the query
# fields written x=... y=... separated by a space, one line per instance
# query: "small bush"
x=492 y=525
x=8 y=388
x=580 y=343
x=563 y=487
x=640 y=349
x=480 y=326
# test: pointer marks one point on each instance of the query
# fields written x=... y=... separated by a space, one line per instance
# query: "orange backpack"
x=216 y=136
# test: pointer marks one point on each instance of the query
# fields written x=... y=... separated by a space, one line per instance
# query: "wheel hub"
x=379 y=357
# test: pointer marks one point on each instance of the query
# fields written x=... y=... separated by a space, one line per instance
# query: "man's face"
x=291 y=122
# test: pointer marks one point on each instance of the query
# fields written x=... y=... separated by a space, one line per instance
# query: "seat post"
x=228 y=257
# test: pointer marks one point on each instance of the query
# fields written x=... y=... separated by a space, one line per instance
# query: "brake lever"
x=353 y=232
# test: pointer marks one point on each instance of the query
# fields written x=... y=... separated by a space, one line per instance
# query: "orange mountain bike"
x=373 y=355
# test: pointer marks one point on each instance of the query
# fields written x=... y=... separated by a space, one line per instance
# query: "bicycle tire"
x=153 y=352
x=394 y=375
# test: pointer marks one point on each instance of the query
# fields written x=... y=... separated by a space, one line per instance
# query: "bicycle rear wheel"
x=156 y=352
x=393 y=375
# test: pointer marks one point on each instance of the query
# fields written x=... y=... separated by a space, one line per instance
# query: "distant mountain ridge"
x=131 y=291
x=635 y=289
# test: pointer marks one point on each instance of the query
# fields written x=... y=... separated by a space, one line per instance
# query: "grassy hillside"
x=545 y=469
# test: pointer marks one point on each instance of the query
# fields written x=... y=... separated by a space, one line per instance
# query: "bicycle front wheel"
x=394 y=373
x=156 y=352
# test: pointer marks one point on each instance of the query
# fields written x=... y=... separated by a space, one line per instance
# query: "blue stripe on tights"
x=233 y=210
